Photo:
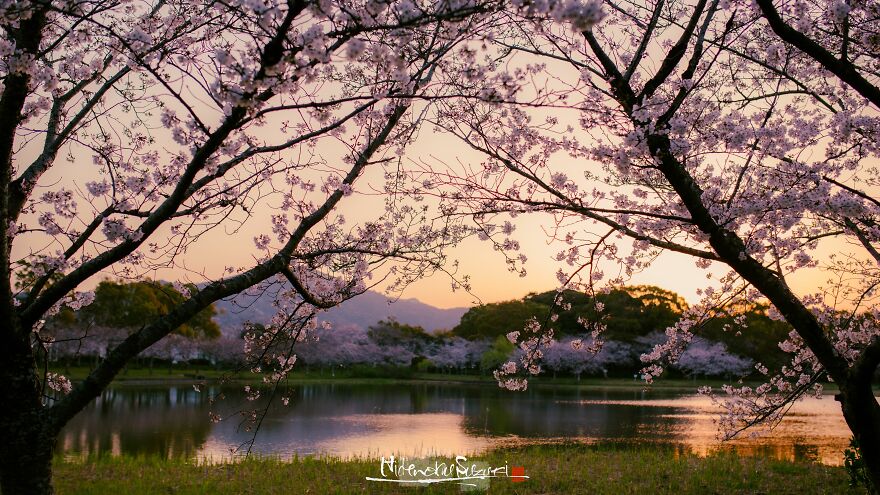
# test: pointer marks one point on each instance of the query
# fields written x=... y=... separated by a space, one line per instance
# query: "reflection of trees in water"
x=320 y=413
x=170 y=421
x=782 y=450
x=174 y=421
x=559 y=413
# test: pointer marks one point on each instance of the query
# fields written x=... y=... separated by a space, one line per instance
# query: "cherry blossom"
x=741 y=134
x=135 y=132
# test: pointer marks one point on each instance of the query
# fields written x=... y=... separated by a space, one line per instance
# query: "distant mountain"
x=363 y=310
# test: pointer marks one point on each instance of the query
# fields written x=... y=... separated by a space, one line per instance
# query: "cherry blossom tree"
x=569 y=355
x=706 y=358
x=740 y=134
x=131 y=132
x=224 y=351
x=457 y=353
x=347 y=346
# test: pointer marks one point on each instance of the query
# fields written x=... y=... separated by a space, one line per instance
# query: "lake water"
x=421 y=419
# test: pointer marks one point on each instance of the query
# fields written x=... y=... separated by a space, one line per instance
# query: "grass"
x=552 y=469
x=367 y=375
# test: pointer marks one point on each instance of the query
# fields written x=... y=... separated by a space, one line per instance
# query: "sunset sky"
x=490 y=280
x=230 y=245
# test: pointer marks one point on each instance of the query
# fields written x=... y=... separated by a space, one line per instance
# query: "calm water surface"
x=442 y=419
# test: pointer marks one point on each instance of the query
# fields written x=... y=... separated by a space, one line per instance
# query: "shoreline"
x=141 y=376
x=551 y=468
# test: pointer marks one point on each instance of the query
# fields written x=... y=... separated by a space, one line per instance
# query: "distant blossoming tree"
x=705 y=358
x=568 y=356
x=131 y=131
x=347 y=346
x=457 y=353
x=742 y=134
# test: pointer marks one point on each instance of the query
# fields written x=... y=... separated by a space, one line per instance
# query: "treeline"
x=634 y=319
x=119 y=308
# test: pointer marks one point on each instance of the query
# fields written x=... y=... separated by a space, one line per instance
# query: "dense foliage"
x=134 y=304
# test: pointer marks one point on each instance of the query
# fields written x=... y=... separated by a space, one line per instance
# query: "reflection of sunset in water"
x=377 y=435
x=407 y=434
x=434 y=418
x=813 y=429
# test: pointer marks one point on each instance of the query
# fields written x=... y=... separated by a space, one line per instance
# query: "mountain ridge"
x=364 y=310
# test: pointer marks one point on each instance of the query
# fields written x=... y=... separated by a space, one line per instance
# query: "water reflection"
x=441 y=419
x=170 y=421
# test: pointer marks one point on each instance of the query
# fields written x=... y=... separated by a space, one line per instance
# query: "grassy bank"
x=382 y=376
x=552 y=469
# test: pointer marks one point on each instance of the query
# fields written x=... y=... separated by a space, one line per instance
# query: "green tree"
x=134 y=304
x=391 y=332
x=497 y=355
x=28 y=273
x=627 y=313
x=488 y=321
x=764 y=334
x=567 y=321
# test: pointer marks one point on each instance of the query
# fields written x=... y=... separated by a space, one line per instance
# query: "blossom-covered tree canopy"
x=742 y=134
x=133 y=131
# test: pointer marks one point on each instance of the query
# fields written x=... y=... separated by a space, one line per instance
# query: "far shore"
x=186 y=375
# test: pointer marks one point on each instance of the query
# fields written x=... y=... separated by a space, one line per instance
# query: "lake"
x=430 y=418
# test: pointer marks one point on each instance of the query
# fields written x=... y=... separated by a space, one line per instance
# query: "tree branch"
x=841 y=68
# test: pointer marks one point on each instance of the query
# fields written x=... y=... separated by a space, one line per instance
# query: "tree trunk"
x=28 y=440
x=26 y=458
x=860 y=408
x=862 y=414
